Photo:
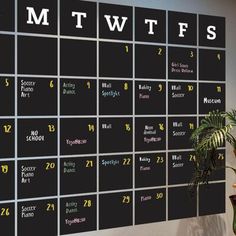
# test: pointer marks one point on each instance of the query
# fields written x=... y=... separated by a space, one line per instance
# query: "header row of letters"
x=79 y=19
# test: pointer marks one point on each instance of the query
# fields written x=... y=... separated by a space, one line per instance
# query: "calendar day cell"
x=150 y=170
x=7 y=91
x=83 y=169
x=150 y=61
x=115 y=60
x=181 y=204
x=7 y=219
x=211 y=97
x=182 y=28
x=115 y=135
x=150 y=25
x=119 y=203
x=37 y=96
x=115 y=22
x=7 y=180
x=78 y=57
x=181 y=167
x=182 y=63
x=220 y=161
x=37 y=16
x=150 y=134
x=212 y=65
x=182 y=98
x=114 y=94
x=211 y=31
x=79 y=18
x=115 y=172
x=7 y=50
x=180 y=130
x=78 y=214
x=150 y=206
x=37 y=216
x=7 y=138
x=37 y=178
x=37 y=56
x=78 y=136
x=211 y=199
x=200 y=119
x=37 y=137
x=150 y=98
x=78 y=97
x=7 y=15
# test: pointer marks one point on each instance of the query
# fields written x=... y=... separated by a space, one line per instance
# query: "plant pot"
x=233 y=201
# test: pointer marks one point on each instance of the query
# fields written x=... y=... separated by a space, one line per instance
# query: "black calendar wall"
x=98 y=102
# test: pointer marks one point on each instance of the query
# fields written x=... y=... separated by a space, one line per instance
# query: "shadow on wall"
x=203 y=226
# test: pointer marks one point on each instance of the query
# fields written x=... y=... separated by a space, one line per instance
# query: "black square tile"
x=32 y=101
x=115 y=22
x=115 y=97
x=182 y=63
x=37 y=137
x=181 y=204
x=115 y=135
x=112 y=166
x=211 y=97
x=37 y=55
x=150 y=98
x=181 y=167
x=182 y=28
x=7 y=15
x=79 y=18
x=114 y=205
x=7 y=218
x=150 y=206
x=37 y=178
x=81 y=169
x=150 y=61
x=150 y=133
x=150 y=25
x=150 y=170
x=43 y=211
x=212 y=65
x=7 y=50
x=81 y=209
x=73 y=93
x=78 y=136
x=78 y=57
x=7 y=101
x=115 y=60
x=182 y=98
x=212 y=199
x=37 y=16
x=7 y=180
x=211 y=31
x=7 y=138
x=180 y=130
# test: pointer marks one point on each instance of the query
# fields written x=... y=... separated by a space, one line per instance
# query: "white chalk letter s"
x=211 y=32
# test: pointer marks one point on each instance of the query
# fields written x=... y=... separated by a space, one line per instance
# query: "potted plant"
x=214 y=131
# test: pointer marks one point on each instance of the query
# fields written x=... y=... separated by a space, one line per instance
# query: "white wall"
x=216 y=225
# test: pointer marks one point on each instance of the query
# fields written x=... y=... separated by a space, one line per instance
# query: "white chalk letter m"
x=33 y=19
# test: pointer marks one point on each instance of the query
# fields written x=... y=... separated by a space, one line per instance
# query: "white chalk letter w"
x=116 y=23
